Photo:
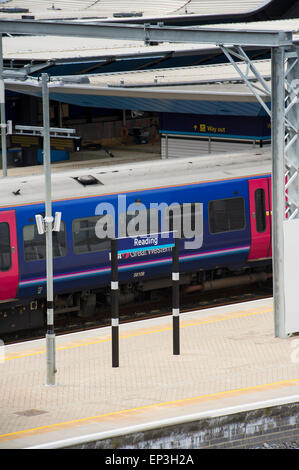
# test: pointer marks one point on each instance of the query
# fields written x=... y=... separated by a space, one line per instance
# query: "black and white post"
x=114 y=303
x=176 y=297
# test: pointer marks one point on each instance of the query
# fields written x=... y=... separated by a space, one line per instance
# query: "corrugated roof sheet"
x=29 y=48
x=179 y=76
x=43 y=9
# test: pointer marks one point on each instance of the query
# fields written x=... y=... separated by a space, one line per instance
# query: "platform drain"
x=30 y=412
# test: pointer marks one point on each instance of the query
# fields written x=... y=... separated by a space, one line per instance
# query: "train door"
x=270 y=219
x=9 y=266
x=260 y=218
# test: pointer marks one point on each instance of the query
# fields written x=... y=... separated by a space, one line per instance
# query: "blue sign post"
x=132 y=245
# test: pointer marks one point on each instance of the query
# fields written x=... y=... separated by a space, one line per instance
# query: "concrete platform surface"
x=229 y=359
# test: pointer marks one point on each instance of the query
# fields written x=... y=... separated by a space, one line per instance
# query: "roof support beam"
x=148 y=33
x=265 y=89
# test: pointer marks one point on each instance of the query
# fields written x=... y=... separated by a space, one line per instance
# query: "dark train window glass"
x=173 y=219
x=226 y=215
x=184 y=219
x=260 y=210
x=35 y=244
x=5 y=252
x=85 y=238
x=140 y=222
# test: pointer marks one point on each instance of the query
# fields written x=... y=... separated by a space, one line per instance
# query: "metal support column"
x=291 y=194
x=50 y=336
x=278 y=187
x=2 y=111
x=114 y=303
x=291 y=135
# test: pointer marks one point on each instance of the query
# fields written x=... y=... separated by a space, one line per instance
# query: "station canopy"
x=216 y=89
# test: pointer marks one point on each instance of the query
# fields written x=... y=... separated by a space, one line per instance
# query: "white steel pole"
x=2 y=111
x=50 y=335
x=278 y=188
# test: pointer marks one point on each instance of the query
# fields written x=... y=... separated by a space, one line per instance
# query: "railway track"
x=146 y=310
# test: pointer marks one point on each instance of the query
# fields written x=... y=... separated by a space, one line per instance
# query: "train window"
x=260 y=210
x=5 y=253
x=140 y=222
x=173 y=219
x=185 y=220
x=226 y=215
x=35 y=244
x=85 y=239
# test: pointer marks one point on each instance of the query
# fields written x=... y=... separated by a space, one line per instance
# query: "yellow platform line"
x=120 y=413
x=148 y=330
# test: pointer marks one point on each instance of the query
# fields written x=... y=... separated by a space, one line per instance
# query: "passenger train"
x=233 y=192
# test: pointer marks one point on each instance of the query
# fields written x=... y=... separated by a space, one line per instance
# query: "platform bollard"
x=114 y=304
x=176 y=298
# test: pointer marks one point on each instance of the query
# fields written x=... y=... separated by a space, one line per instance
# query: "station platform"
x=125 y=154
x=229 y=360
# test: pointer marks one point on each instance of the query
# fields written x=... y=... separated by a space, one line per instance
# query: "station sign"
x=25 y=141
x=68 y=144
x=144 y=245
x=147 y=243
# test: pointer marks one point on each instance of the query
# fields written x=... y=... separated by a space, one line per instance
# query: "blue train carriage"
x=228 y=198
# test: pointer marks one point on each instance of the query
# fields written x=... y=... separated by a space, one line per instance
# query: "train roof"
x=129 y=177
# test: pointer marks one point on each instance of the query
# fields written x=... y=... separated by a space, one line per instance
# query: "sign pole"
x=114 y=303
x=176 y=298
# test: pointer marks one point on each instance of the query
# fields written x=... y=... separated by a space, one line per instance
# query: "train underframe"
x=22 y=315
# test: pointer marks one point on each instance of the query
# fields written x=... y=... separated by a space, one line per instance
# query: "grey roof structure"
x=199 y=90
